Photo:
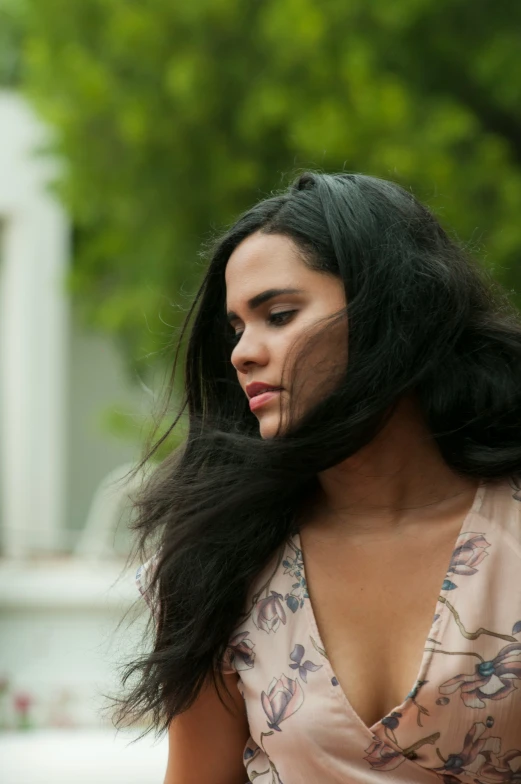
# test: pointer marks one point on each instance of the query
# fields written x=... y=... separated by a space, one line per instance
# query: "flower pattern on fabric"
x=477 y=754
x=501 y=768
x=294 y=566
x=491 y=680
x=380 y=756
x=470 y=550
x=283 y=698
x=258 y=764
x=296 y=656
x=268 y=613
x=239 y=654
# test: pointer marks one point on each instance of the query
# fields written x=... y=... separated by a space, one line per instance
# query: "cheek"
x=317 y=362
x=280 y=346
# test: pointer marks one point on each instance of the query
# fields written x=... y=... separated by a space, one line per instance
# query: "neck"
x=399 y=479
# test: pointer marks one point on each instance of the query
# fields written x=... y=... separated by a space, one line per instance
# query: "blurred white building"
x=63 y=590
x=55 y=378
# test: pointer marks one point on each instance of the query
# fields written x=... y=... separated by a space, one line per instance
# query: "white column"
x=33 y=337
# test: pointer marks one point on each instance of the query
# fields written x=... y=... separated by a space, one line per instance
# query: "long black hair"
x=423 y=318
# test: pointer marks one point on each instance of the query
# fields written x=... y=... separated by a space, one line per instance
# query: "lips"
x=257 y=401
x=259 y=388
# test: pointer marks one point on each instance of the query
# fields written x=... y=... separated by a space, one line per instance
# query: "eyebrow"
x=260 y=299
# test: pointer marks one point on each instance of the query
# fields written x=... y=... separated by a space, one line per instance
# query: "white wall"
x=59 y=641
x=33 y=336
x=55 y=377
x=65 y=629
x=54 y=757
x=96 y=381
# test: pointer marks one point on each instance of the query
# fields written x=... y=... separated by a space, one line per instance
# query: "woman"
x=338 y=543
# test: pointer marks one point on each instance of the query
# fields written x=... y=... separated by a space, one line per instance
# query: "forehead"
x=267 y=261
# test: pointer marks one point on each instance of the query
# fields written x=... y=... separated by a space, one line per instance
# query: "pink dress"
x=461 y=721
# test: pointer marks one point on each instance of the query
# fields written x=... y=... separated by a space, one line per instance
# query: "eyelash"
x=235 y=337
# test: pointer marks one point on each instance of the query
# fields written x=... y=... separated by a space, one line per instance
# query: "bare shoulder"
x=206 y=742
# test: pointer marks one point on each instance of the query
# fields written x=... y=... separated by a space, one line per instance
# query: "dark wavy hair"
x=425 y=319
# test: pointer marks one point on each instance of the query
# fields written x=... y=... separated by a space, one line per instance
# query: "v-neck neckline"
x=437 y=617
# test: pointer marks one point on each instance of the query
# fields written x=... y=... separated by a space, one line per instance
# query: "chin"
x=268 y=426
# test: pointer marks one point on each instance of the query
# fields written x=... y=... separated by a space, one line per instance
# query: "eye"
x=277 y=319
x=274 y=319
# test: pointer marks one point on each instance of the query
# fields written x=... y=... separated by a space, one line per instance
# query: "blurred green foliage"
x=172 y=117
x=127 y=425
x=12 y=27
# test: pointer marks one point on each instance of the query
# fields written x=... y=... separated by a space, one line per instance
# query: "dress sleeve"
x=239 y=654
x=226 y=664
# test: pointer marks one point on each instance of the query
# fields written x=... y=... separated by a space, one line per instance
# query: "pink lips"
x=260 y=400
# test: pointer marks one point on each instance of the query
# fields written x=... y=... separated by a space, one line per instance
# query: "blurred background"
x=129 y=133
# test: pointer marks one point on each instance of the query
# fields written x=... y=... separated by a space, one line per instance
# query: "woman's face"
x=272 y=299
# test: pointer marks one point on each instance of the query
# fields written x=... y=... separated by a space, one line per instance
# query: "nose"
x=250 y=350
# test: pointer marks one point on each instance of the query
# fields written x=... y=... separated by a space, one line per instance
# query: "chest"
x=374 y=603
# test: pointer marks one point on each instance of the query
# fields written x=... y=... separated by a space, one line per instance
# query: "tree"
x=173 y=117
x=11 y=36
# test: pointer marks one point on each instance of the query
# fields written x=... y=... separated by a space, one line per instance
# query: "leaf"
x=297 y=653
x=448 y=586
x=292 y=603
x=308 y=665
x=325 y=93
x=318 y=648
x=516 y=628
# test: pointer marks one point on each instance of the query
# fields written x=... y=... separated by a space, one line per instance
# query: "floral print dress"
x=461 y=720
